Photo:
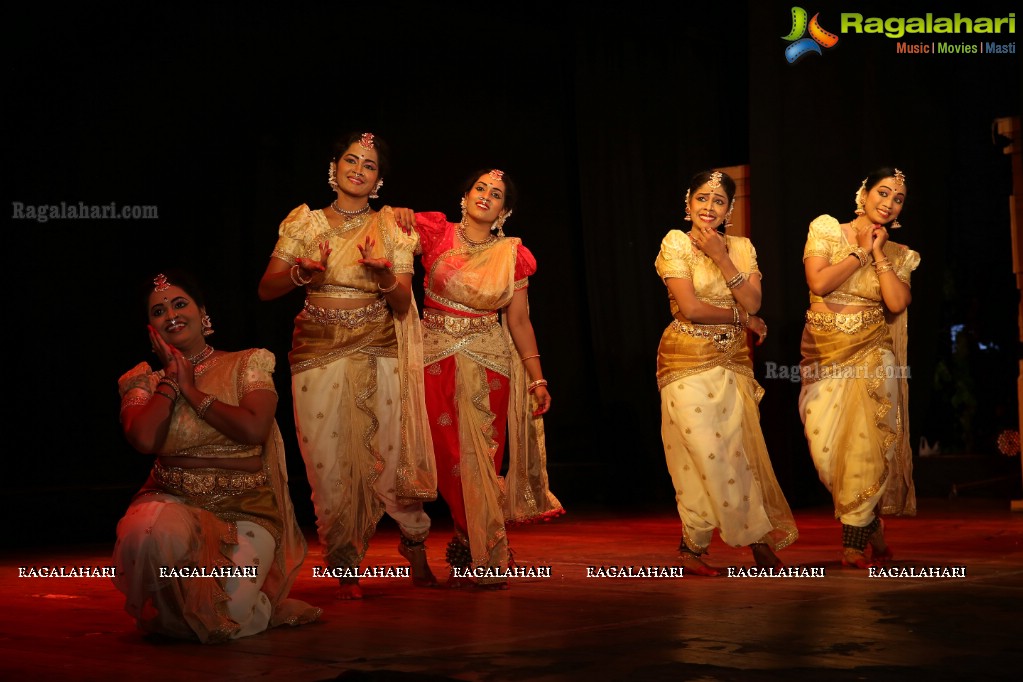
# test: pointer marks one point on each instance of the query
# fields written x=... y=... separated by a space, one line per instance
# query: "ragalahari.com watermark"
x=815 y=372
x=42 y=213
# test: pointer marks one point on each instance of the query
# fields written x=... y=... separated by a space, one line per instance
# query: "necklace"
x=348 y=215
x=201 y=355
x=464 y=236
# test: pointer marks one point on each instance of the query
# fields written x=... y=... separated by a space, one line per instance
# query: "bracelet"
x=173 y=384
x=389 y=289
x=533 y=385
x=296 y=277
x=882 y=266
x=861 y=255
x=737 y=281
x=745 y=323
x=171 y=398
x=735 y=315
x=204 y=406
x=530 y=357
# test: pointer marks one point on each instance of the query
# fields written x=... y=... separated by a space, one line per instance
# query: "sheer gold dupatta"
x=416 y=478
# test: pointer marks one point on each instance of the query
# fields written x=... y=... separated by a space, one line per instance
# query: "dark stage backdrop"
x=222 y=118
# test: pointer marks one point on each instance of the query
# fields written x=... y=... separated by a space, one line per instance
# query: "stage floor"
x=843 y=626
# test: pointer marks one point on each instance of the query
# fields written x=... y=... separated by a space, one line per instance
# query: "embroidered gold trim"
x=453 y=325
x=849 y=323
x=454 y=305
x=207 y=482
x=284 y=256
x=339 y=291
x=232 y=451
x=842 y=298
x=350 y=319
x=723 y=335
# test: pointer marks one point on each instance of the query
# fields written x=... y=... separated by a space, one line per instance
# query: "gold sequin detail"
x=433 y=369
x=698 y=410
x=445 y=419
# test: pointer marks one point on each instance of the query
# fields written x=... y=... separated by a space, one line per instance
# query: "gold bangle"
x=205 y=406
x=171 y=398
x=533 y=385
x=861 y=255
x=388 y=289
x=530 y=357
x=296 y=277
x=173 y=384
x=736 y=281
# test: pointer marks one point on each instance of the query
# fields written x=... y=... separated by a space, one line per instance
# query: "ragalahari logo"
x=800 y=46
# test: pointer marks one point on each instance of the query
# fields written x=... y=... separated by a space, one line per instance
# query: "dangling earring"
x=688 y=217
x=728 y=216
x=462 y=204
x=207 y=325
x=896 y=224
x=376 y=188
x=499 y=223
x=332 y=176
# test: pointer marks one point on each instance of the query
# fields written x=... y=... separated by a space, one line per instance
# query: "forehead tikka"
x=160 y=283
x=715 y=180
x=899 y=177
x=496 y=174
x=366 y=141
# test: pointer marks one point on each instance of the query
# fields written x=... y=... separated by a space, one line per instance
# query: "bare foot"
x=765 y=556
x=854 y=558
x=349 y=589
x=415 y=554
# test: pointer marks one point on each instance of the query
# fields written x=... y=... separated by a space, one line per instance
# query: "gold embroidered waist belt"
x=718 y=333
x=850 y=323
x=454 y=325
x=207 y=482
x=351 y=319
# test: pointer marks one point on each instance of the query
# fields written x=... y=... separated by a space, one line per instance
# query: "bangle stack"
x=883 y=265
x=389 y=289
x=737 y=281
x=296 y=277
x=533 y=385
x=861 y=255
x=204 y=406
x=173 y=386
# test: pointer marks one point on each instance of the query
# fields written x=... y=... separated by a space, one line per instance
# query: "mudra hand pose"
x=853 y=400
x=710 y=419
x=356 y=364
x=484 y=380
x=217 y=500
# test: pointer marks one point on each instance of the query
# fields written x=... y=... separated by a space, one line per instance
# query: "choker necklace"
x=201 y=355
x=348 y=215
x=464 y=236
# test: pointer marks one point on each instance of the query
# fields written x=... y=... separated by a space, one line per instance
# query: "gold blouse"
x=679 y=258
x=826 y=240
x=303 y=230
x=230 y=377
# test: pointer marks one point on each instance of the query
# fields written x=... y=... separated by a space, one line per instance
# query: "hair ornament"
x=496 y=174
x=366 y=141
x=715 y=180
x=900 y=178
x=859 y=197
x=160 y=283
x=498 y=225
x=332 y=176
